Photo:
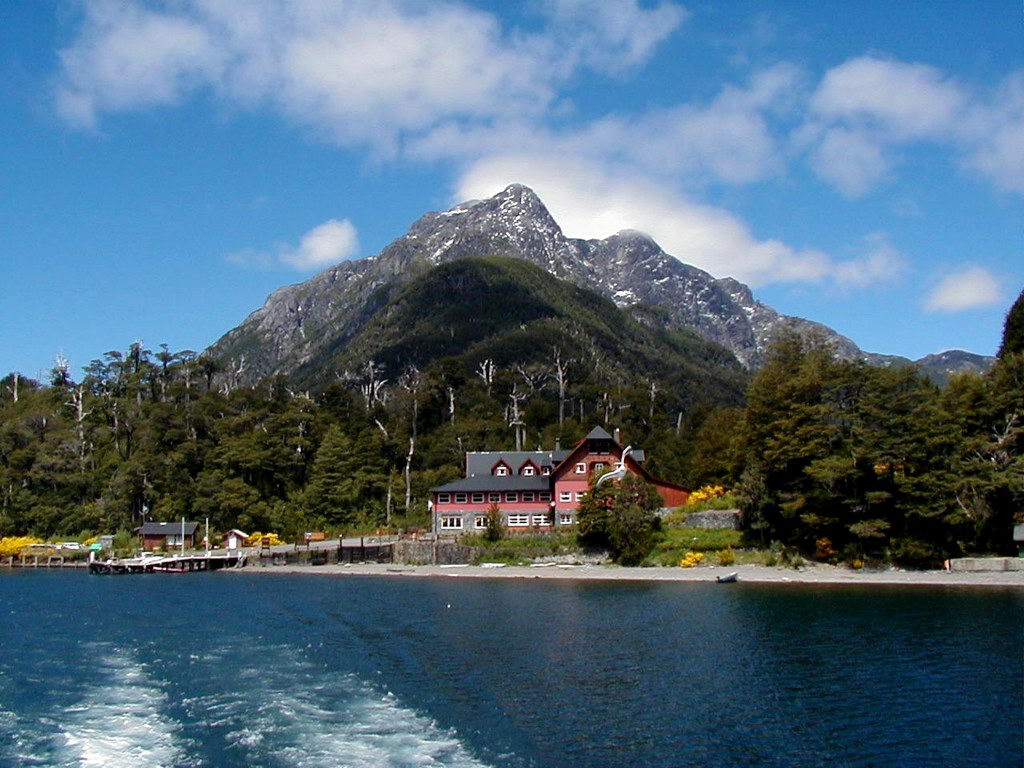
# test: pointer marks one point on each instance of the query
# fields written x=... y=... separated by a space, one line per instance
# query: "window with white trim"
x=518 y=521
x=545 y=496
x=528 y=471
x=460 y=498
x=580 y=495
x=501 y=471
x=545 y=470
x=479 y=522
x=565 y=519
x=528 y=496
x=444 y=498
x=542 y=519
x=581 y=468
x=451 y=523
x=494 y=498
x=512 y=496
x=565 y=495
x=598 y=466
x=478 y=498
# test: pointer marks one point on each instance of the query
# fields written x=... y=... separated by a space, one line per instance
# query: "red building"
x=535 y=489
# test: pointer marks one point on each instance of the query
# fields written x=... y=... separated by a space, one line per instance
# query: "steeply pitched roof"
x=166 y=529
x=490 y=482
x=481 y=462
x=597 y=433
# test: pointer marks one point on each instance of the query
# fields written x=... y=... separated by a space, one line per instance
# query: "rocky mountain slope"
x=301 y=324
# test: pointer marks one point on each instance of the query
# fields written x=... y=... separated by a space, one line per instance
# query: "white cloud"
x=329 y=243
x=128 y=57
x=612 y=36
x=865 y=108
x=993 y=133
x=851 y=160
x=910 y=100
x=881 y=263
x=970 y=288
x=362 y=72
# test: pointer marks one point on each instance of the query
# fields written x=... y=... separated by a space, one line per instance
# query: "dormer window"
x=529 y=471
x=545 y=470
x=501 y=471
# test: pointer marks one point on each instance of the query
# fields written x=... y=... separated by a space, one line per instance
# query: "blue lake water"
x=228 y=669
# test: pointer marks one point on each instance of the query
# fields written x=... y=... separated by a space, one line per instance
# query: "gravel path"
x=813 y=574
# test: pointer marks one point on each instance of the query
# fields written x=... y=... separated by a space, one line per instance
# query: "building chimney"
x=558 y=443
x=618 y=435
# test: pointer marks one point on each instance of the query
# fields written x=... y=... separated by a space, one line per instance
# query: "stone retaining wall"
x=714 y=518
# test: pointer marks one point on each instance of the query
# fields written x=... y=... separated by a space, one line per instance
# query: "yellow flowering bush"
x=705 y=493
x=11 y=546
x=90 y=541
x=258 y=539
x=691 y=560
x=726 y=556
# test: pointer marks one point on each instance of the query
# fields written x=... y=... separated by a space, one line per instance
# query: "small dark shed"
x=167 y=535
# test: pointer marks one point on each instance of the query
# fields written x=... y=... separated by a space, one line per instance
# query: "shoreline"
x=751 y=574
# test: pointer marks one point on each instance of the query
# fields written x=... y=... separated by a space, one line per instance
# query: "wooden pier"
x=41 y=561
x=204 y=561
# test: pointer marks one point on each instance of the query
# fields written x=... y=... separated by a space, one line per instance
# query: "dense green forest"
x=879 y=461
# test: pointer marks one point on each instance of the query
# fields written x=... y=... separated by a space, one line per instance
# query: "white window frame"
x=581 y=468
x=528 y=471
x=451 y=523
x=545 y=496
x=501 y=471
x=461 y=498
x=565 y=495
x=480 y=522
x=512 y=497
x=528 y=496
x=444 y=498
x=545 y=470
x=598 y=466
x=565 y=518
x=542 y=519
x=493 y=497
x=579 y=495
x=478 y=497
x=518 y=521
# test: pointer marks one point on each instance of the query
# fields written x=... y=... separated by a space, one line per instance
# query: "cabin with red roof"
x=536 y=490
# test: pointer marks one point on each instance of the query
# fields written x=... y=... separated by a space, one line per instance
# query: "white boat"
x=728 y=578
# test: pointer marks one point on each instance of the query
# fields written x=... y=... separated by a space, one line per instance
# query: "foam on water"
x=296 y=716
x=122 y=720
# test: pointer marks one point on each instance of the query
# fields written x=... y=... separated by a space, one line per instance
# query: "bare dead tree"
x=411 y=382
x=372 y=386
x=533 y=375
x=562 y=380
x=486 y=373
x=77 y=403
x=13 y=386
x=515 y=415
x=653 y=393
x=451 y=404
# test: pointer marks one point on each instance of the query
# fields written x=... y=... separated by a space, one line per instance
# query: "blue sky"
x=166 y=165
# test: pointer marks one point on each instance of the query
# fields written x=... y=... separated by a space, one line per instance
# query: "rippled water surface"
x=244 y=670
